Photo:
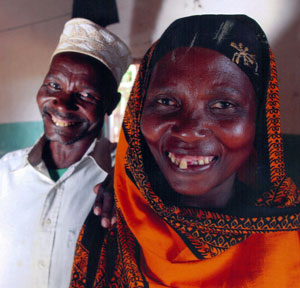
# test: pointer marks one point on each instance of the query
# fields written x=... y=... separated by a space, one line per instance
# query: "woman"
x=201 y=192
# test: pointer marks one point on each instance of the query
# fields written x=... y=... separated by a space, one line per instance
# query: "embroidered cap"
x=85 y=37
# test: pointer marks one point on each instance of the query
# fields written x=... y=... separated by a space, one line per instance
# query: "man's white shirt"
x=40 y=219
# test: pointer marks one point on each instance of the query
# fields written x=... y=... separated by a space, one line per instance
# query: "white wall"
x=25 y=52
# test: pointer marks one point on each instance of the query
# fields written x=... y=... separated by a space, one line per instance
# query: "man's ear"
x=115 y=98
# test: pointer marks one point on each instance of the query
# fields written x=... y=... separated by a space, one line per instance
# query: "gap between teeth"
x=183 y=163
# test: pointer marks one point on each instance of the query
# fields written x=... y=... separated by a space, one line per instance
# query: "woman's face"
x=199 y=122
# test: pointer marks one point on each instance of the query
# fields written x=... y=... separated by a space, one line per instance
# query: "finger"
x=114 y=217
x=105 y=223
x=107 y=206
x=113 y=220
x=97 y=210
x=97 y=188
x=106 y=213
x=98 y=203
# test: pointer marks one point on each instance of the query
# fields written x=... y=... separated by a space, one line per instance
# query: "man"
x=45 y=190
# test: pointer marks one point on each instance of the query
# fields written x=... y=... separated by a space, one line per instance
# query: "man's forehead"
x=76 y=63
x=83 y=69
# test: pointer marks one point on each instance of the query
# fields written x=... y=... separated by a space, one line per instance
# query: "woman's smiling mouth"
x=189 y=161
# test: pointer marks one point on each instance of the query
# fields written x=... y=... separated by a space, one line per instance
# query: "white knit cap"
x=85 y=37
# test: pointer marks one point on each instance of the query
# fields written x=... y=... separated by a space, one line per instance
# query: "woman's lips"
x=187 y=161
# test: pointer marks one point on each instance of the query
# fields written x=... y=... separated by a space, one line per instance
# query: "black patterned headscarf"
x=238 y=37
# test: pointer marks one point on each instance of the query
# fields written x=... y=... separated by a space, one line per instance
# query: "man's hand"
x=104 y=203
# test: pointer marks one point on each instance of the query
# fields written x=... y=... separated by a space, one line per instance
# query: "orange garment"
x=259 y=261
x=159 y=245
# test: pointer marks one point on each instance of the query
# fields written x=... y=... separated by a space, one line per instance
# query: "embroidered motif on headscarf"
x=244 y=54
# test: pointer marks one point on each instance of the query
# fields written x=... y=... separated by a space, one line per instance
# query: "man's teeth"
x=183 y=162
x=61 y=123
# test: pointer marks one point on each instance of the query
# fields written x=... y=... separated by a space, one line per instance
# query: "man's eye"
x=85 y=95
x=166 y=102
x=54 y=86
x=222 y=105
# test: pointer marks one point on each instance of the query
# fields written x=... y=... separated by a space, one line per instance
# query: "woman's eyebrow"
x=168 y=85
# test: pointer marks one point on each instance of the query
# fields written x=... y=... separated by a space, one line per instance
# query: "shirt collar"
x=34 y=156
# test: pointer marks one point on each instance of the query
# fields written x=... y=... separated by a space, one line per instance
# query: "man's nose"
x=66 y=101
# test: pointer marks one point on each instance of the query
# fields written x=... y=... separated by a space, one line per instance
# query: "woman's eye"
x=222 y=105
x=166 y=102
x=54 y=86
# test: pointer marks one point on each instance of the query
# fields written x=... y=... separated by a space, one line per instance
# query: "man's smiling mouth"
x=185 y=161
x=62 y=123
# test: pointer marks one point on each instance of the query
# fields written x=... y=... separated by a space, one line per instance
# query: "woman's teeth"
x=183 y=162
x=61 y=123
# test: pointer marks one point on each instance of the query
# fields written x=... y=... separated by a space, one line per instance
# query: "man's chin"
x=63 y=139
x=70 y=139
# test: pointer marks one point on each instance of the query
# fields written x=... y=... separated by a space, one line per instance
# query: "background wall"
x=29 y=31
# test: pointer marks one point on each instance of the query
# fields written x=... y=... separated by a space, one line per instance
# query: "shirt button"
x=48 y=221
x=42 y=264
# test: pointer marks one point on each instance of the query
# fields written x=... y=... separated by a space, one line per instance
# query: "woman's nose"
x=192 y=128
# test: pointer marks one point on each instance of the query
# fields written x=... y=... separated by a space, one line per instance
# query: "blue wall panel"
x=19 y=135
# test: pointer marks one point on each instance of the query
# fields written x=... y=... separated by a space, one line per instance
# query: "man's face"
x=74 y=98
x=199 y=121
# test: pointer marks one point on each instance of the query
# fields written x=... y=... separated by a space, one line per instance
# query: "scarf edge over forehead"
x=228 y=34
x=144 y=219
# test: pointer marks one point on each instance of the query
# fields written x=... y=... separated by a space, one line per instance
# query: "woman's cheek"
x=152 y=127
x=238 y=135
